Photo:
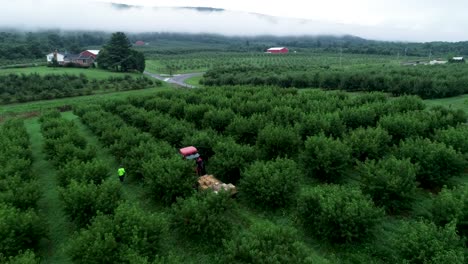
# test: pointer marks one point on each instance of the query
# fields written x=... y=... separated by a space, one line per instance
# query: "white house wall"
x=51 y=56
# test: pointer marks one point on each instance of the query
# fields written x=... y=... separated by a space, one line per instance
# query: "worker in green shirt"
x=121 y=172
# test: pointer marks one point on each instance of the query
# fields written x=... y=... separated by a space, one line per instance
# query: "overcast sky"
x=405 y=20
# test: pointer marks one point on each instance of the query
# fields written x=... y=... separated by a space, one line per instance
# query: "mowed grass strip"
x=59 y=228
x=457 y=102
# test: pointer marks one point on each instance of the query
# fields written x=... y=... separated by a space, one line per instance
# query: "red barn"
x=90 y=53
x=139 y=43
x=277 y=50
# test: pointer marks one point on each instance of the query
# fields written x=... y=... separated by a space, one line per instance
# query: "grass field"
x=458 y=102
x=90 y=73
x=194 y=81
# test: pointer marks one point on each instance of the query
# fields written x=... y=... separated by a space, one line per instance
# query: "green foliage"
x=267 y=243
x=368 y=143
x=83 y=201
x=361 y=116
x=245 y=129
x=20 y=193
x=19 y=230
x=84 y=172
x=270 y=184
x=325 y=158
x=167 y=179
x=390 y=182
x=217 y=119
x=451 y=206
x=404 y=125
x=230 y=159
x=205 y=216
x=28 y=257
x=456 y=137
x=422 y=242
x=277 y=141
x=110 y=238
x=437 y=163
x=338 y=213
x=313 y=124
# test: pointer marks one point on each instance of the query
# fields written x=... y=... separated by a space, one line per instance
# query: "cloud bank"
x=90 y=15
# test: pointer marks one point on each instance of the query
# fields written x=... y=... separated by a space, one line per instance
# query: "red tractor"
x=205 y=181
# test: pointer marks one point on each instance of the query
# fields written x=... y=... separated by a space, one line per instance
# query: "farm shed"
x=140 y=43
x=277 y=50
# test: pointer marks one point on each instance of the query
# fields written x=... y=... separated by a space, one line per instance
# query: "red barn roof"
x=277 y=50
x=139 y=43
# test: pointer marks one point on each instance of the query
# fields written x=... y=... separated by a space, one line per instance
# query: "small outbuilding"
x=457 y=60
x=140 y=43
x=277 y=50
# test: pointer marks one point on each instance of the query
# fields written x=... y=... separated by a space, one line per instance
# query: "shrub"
x=437 y=163
x=277 y=141
x=270 y=184
x=109 y=238
x=28 y=257
x=325 y=158
x=368 y=143
x=313 y=124
x=218 y=119
x=266 y=243
x=230 y=159
x=83 y=201
x=19 y=193
x=19 y=230
x=361 y=116
x=422 y=242
x=338 y=213
x=390 y=182
x=167 y=179
x=245 y=129
x=456 y=137
x=206 y=216
x=84 y=172
x=404 y=125
x=451 y=206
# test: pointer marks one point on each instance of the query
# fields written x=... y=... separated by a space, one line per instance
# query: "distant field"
x=90 y=73
x=203 y=61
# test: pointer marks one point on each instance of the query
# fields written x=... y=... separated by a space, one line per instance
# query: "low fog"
x=90 y=15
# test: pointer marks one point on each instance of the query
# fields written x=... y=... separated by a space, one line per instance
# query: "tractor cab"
x=189 y=153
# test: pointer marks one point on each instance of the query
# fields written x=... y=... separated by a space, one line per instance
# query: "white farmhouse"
x=60 y=57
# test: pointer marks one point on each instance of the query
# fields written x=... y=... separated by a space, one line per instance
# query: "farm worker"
x=121 y=173
x=200 y=166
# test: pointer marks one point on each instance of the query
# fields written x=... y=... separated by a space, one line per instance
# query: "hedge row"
x=425 y=81
x=80 y=174
x=21 y=228
x=32 y=87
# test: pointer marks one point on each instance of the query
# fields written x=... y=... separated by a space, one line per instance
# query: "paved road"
x=178 y=79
